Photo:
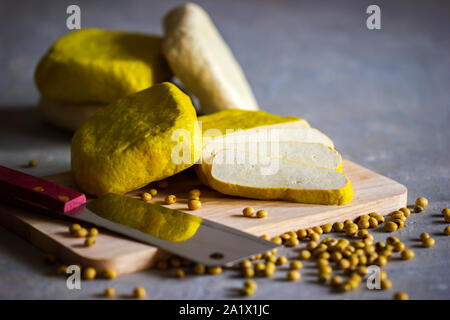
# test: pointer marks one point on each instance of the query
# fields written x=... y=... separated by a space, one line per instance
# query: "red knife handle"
x=35 y=193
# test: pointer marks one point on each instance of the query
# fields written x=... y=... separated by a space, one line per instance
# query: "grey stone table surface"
x=382 y=95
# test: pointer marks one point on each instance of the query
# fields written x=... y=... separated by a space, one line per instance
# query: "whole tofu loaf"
x=203 y=62
x=100 y=66
x=144 y=137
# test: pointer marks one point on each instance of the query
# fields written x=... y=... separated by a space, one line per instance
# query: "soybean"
x=139 y=292
x=400 y=296
x=170 y=199
x=422 y=201
x=194 y=204
x=390 y=226
x=428 y=243
x=293 y=275
x=89 y=273
x=248 y=212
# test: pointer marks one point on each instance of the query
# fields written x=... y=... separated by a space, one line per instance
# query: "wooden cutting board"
x=372 y=192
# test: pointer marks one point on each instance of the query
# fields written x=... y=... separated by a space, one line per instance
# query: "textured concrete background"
x=383 y=96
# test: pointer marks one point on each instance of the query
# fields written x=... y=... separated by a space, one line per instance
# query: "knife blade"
x=178 y=232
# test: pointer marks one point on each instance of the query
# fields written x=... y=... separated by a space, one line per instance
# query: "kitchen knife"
x=180 y=233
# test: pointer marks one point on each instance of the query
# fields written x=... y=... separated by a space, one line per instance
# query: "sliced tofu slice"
x=200 y=58
x=277 y=179
x=265 y=134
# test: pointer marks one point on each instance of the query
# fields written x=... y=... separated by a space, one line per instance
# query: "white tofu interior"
x=246 y=169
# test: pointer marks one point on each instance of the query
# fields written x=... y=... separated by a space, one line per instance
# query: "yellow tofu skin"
x=93 y=65
x=144 y=137
x=237 y=119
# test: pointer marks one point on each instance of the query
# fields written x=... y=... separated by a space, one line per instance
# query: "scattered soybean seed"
x=93 y=232
x=323 y=276
x=109 y=292
x=447 y=230
x=170 y=199
x=32 y=163
x=304 y=254
x=178 y=273
x=363 y=223
x=269 y=271
x=336 y=280
x=422 y=201
x=110 y=273
x=327 y=228
x=406 y=211
x=424 y=236
x=362 y=270
x=74 y=228
x=407 y=254
x=398 y=215
x=265 y=237
x=400 y=223
x=277 y=240
x=248 y=212
x=146 y=196
x=314 y=236
x=49 y=258
x=153 y=192
x=381 y=261
x=81 y=233
x=318 y=230
x=215 y=270
x=428 y=243
x=386 y=284
x=260 y=267
x=62 y=270
x=418 y=209
x=302 y=234
x=246 y=291
x=261 y=213
x=399 y=247
x=344 y=264
x=281 y=260
x=364 y=217
x=293 y=275
x=194 y=204
x=295 y=265
x=250 y=284
x=392 y=240
x=194 y=193
x=351 y=230
x=362 y=233
x=311 y=245
x=401 y=296
x=246 y=264
x=139 y=292
x=445 y=211
x=390 y=226
x=199 y=268
x=338 y=226
x=348 y=222
x=447 y=217
x=89 y=242
x=373 y=222
x=89 y=273
x=248 y=272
